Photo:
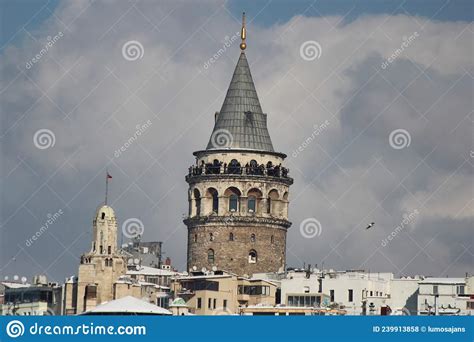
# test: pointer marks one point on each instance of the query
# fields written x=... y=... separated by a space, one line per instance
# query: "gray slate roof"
x=241 y=115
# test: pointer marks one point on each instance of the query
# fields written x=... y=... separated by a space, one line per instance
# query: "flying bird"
x=371 y=224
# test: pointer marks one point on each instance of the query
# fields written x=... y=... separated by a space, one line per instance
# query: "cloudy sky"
x=372 y=104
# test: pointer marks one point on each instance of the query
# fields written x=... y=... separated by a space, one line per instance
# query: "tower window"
x=211 y=237
x=231 y=236
x=272 y=239
x=252 y=256
x=252 y=238
x=233 y=202
x=215 y=202
x=102 y=216
x=269 y=205
x=109 y=249
x=251 y=204
x=195 y=237
x=210 y=256
x=197 y=199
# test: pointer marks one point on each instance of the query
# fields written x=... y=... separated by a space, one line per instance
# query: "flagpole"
x=106 y=185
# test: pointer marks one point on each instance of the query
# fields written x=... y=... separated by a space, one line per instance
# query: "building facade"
x=238 y=188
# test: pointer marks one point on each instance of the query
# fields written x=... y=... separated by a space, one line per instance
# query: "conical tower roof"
x=241 y=124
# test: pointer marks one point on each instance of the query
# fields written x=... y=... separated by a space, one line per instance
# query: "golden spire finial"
x=243 y=33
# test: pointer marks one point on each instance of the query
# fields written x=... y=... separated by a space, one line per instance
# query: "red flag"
x=109 y=176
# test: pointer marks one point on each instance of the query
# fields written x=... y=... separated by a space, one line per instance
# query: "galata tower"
x=238 y=188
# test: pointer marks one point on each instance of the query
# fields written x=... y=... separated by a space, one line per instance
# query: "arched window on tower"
x=269 y=205
x=252 y=238
x=231 y=236
x=210 y=256
x=252 y=204
x=211 y=237
x=233 y=203
x=252 y=256
x=195 y=237
x=272 y=239
x=197 y=200
x=102 y=216
x=215 y=200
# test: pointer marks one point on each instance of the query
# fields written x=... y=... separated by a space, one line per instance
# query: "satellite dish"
x=23 y=280
x=195 y=268
x=6 y=278
x=203 y=270
x=214 y=268
x=15 y=277
x=136 y=261
x=130 y=261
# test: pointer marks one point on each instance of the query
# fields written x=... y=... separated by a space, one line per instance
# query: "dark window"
x=233 y=202
x=102 y=216
x=331 y=294
x=195 y=237
x=252 y=204
x=209 y=302
x=215 y=202
x=435 y=289
x=252 y=238
x=224 y=304
x=197 y=198
x=269 y=205
x=109 y=249
x=210 y=256
x=252 y=256
x=215 y=303
x=231 y=236
x=199 y=303
x=211 y=237
x=272 y=239
x=351 y=295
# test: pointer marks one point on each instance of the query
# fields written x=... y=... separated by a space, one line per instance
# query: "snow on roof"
x=152 y=271
x=129 y=305
x=443 y=281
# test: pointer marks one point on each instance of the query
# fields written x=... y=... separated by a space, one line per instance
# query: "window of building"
x=306 y=289
x=210 y=256
x=215 y=199
x=195 y=237
x=102 y=216
x=109 y=249
x=435 y=289
x=214 y=303
x=199 y=303
x=304 y=300
x=211 y=237
x=209 y=303
x=231 y=236
x=371 y=293
x=252 y=256
x=233 y=203
x=197 y=200
x=252 y=238
x=252 y=204
x=269 y=205
x=224 y=304
x=272 y=239
x=460 y=289
x=331 y=294
x=351 y=295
